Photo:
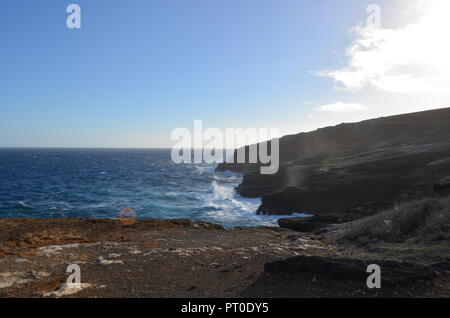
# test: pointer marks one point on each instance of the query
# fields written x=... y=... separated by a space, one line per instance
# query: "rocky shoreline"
x=351 y=171
x=182 y=258
x=353 y=179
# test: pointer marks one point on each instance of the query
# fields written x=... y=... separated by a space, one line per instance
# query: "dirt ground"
x=171 y=258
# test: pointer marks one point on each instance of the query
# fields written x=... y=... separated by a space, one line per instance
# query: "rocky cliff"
x=354 y=167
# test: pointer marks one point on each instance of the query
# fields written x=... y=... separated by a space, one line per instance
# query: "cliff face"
x=351 y=166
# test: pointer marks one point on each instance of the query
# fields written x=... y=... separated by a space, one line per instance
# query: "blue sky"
x=138 y=69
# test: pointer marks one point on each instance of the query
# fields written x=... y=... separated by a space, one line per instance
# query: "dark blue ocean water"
x=99 y=183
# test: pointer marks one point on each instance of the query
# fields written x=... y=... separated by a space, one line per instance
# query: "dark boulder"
x=393 y=273
x=307 y=224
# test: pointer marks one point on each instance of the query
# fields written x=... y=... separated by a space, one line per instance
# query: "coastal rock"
x=345 y=269
x=306 y=224
x=352 y=166
x=386 y=175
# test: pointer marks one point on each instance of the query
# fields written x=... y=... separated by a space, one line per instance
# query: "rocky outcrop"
x=357 y=166
x=393 y=273
x=307 y=224
x=381 y=176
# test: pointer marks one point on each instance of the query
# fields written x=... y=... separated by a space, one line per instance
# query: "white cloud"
x=341 y=107
x=307 y=102
x=411 y=59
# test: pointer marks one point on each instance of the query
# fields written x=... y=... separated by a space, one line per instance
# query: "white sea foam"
x=23 y=205
x=222 y=205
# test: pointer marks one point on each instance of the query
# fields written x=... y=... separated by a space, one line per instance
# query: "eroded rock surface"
x=178 y=258
x=392 y=273
x=355 y=167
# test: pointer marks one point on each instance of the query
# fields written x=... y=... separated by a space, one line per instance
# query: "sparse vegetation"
x=330 y=162
x=422 y=221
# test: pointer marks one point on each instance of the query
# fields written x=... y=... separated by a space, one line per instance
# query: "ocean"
x=99 y=183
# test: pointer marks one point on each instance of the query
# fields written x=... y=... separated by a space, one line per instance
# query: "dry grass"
x=422 y=221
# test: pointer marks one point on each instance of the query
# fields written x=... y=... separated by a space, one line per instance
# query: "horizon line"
x=107 y=148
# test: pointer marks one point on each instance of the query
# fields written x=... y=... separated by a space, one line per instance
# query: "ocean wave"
x=23 y=205
x=147 y=182
x=205 y=169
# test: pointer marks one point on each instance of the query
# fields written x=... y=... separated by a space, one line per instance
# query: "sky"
x=137 y=70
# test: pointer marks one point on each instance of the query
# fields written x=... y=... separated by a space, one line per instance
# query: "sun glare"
x=410 y=59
